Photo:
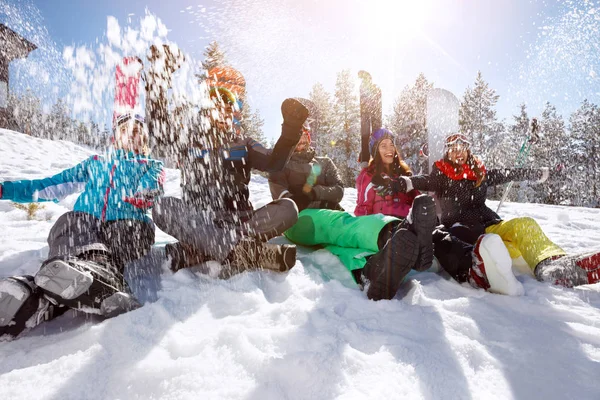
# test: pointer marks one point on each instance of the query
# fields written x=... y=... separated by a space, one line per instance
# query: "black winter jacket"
x=318 y=172
x=461 y=202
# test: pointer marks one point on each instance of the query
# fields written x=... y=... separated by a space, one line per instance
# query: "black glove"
x=294 y=115
x=386 y=186
x=302 y=200
x=299 y=189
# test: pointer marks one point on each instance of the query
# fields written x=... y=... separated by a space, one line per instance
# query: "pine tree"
x=477 y=114
x=550 y=151
x=517 y=132
x=252 y=127
x=346 y=127
x=584 y=167
x=214 y=56
x=28 y=115
x=409 y=121
x=59 y=123
x=323 y=138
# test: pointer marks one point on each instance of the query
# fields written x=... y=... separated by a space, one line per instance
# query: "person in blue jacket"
x=89 y=246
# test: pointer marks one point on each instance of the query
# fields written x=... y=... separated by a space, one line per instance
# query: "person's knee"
x=287 y=211
x=163 y=210
x=527 y=224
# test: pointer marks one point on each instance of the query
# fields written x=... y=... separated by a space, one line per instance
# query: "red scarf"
x=456 y=175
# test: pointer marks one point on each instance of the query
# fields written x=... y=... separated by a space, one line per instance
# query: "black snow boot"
x=89 y=282
x=23 y=306
x=252 y=254
x=422 y=220
x=183 y=256
x=386 y=269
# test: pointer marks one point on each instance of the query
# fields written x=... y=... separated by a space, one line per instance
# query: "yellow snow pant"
x=524 y=237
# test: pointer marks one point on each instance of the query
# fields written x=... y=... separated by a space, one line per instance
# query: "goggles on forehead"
x=226 y=96
x=123 y=118
x=457 y=139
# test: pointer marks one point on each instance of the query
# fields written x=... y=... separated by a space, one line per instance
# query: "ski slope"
x=310 y=334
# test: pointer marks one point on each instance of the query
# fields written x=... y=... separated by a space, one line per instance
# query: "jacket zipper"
x=112 y=173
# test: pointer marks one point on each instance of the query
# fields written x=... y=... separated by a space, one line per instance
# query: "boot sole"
x=498 y=267
x=117 y=304
x=289 y=259
x=13 y=295
x=61 y=279
x=423 y=221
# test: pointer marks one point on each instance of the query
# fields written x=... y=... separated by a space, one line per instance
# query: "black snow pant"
x=453 y=254
x=215 y=234
x=100 y=249
x=77 y=233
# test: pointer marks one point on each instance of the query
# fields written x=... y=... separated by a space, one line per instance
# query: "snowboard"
x=127 y=87
x=442 y=120
x=370 y=113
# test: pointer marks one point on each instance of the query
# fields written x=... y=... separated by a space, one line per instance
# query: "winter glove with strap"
x=144 y=199
x=386 y=186
x=303 y=199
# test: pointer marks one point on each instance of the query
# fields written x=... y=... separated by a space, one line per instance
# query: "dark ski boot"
x=252 y=254
x=387 y=269
x=422 y=220
x=182 y=255
x=89 y=282
x=22 y=306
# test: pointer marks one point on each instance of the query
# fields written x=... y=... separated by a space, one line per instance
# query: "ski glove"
x=386 y=186
x=144 y=199
x=294 y=114
x=302 y=199
x=545 y=173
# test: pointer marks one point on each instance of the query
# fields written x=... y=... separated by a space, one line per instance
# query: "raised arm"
x=47 y=189
x=504 y=175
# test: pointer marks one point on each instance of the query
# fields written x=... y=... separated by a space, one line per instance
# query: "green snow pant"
x=350 y=238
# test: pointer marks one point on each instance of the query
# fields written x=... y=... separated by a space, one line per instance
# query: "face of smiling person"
x=303 y=144
x=222 y=116
x=387 y=151
x=458 y=153
x=132 y=137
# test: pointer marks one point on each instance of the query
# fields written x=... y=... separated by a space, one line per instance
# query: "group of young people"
x=394 y=230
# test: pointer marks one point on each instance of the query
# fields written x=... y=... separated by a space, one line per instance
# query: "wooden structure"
x=12 y=45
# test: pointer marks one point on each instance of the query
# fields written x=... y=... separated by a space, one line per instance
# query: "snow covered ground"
x=310 y=334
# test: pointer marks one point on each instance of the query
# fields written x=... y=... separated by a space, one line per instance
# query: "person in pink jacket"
x=384 y=160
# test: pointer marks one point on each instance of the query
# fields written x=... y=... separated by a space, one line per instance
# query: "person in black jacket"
x=460 y=181
x=214 y=219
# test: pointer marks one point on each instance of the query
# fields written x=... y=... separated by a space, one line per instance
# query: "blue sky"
x=526 y=50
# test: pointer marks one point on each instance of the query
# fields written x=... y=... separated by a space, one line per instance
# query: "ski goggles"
x=123 y=118
x=457 y=140
x=226 y=96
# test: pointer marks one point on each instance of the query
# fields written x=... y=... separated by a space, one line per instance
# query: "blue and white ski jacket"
x=107 y=181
